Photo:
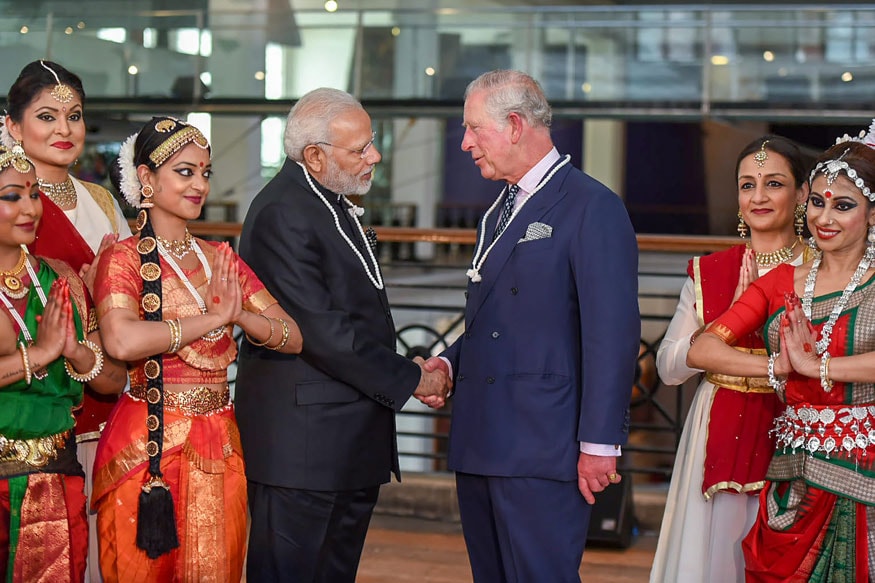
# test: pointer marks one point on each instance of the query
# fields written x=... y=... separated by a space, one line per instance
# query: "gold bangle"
x=253 y=342
x=285 y=338
x=26 y=360
x=175 y=335
x=95 y=369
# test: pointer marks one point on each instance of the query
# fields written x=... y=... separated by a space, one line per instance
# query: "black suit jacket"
x=324 y=420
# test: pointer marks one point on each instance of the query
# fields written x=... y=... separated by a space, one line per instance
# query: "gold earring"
x=799 y=219
x=147 y=191
x=742 y=226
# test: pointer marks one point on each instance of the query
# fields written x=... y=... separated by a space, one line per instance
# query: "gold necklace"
x=178 y=249
x=775 y=257
x=10 y=284
x=62 y=194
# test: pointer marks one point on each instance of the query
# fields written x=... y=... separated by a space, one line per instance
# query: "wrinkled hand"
x=434 y=385
x=86 y=272
x=595 y=473
x=798 y=340
x=747 y=274
x=224 y=296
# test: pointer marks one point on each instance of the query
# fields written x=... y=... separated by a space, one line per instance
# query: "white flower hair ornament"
x=6 y=139
x=129 y=182
x=864 y=137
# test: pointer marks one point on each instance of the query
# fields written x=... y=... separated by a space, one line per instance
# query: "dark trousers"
x=306 y=536
x=522 y=530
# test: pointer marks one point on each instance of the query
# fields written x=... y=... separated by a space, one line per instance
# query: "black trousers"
x=306 y=536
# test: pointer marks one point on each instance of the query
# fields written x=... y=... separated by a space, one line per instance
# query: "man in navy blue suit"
x=545 y=368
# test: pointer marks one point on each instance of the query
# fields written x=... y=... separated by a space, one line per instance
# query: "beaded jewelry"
x=95 y=370
x=775 y=382
x=62 y=194
x=376 y=278
x=284 y=340
x=26 y=360
x=478 y=260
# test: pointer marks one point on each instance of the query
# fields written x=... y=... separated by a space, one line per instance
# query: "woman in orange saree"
x=817 y=513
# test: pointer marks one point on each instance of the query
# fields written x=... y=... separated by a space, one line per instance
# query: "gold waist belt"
x=741 y=384
x=36 y=452
x=196 y=401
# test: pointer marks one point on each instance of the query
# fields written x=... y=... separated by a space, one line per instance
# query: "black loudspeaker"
x=612 y=521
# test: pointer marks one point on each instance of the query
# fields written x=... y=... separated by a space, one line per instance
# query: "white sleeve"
x=671 y=358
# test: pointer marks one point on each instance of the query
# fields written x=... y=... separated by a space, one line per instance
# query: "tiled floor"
x=415 y=551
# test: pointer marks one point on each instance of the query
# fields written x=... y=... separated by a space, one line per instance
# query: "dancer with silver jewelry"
x=169 y=485
x=816 y=518
x=725 y=446
x=49 y=348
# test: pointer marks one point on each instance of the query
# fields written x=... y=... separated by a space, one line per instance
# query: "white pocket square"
x=537 y=231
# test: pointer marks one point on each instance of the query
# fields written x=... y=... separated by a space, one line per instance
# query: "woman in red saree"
x=816 y=516
x=725 y=446
x=169 y=485
x=45 y=115
x=47 y=338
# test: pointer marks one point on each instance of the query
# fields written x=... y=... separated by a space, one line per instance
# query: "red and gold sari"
x=739 y=447
x=816 y=518
x=202 y=459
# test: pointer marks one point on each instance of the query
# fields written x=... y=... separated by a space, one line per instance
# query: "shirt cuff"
x=601 y=449
x=450 y=367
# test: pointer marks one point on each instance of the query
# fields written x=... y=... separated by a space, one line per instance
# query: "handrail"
x=664 y=243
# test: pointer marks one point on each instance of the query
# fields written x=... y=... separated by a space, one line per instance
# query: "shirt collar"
x=532 y=178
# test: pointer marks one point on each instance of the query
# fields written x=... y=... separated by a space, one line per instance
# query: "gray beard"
x=341 y=182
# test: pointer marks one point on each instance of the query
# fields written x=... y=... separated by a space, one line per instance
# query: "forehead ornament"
x=62 y=93
x=761 y=156
x=831 y=169
x=15 y=158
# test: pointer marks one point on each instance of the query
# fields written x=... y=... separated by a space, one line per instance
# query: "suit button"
x=514 y=290
x=466 y=294
x=467 y=334
x=389 y=313
x=490 y=380
x=495 y=334
x=461 y=377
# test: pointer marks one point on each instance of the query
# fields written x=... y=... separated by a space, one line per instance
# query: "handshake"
x=435 y=384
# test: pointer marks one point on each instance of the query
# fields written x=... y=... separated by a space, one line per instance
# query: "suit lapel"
x=533 y=210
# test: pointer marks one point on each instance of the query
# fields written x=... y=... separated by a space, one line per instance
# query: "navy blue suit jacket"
x=551 y=337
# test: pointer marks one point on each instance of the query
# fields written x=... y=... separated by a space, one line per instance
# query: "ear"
x=516 y=127
x=314 y=159
x=802 y=193
x=13 y=127
x=146 y=176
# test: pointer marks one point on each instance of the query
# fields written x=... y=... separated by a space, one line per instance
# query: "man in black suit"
x=318 y=430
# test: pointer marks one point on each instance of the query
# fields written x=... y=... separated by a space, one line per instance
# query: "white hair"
x=309 y=120
x=509 y=92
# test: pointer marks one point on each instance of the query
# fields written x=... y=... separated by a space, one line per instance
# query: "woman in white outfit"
x=725 y=447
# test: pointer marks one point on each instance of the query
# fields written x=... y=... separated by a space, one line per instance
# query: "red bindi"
x=27 y=182
x=827 y=193
x=201 y=164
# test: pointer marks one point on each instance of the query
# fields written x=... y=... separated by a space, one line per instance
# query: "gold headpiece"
x=761 y=156
x=62 y=92
x=173 y=144
x=15 y=157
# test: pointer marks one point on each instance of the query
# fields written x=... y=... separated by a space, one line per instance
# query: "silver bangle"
x=775 y=382
x=825 y=381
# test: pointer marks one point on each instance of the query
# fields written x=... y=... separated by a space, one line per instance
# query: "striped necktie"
x=506 y=210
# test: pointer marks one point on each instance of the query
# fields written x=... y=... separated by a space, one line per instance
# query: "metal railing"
x=428 y=303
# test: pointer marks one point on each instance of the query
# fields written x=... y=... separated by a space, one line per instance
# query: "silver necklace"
x=478 y=260
x=375 y=278
x=217 y=333
x=808 y=295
